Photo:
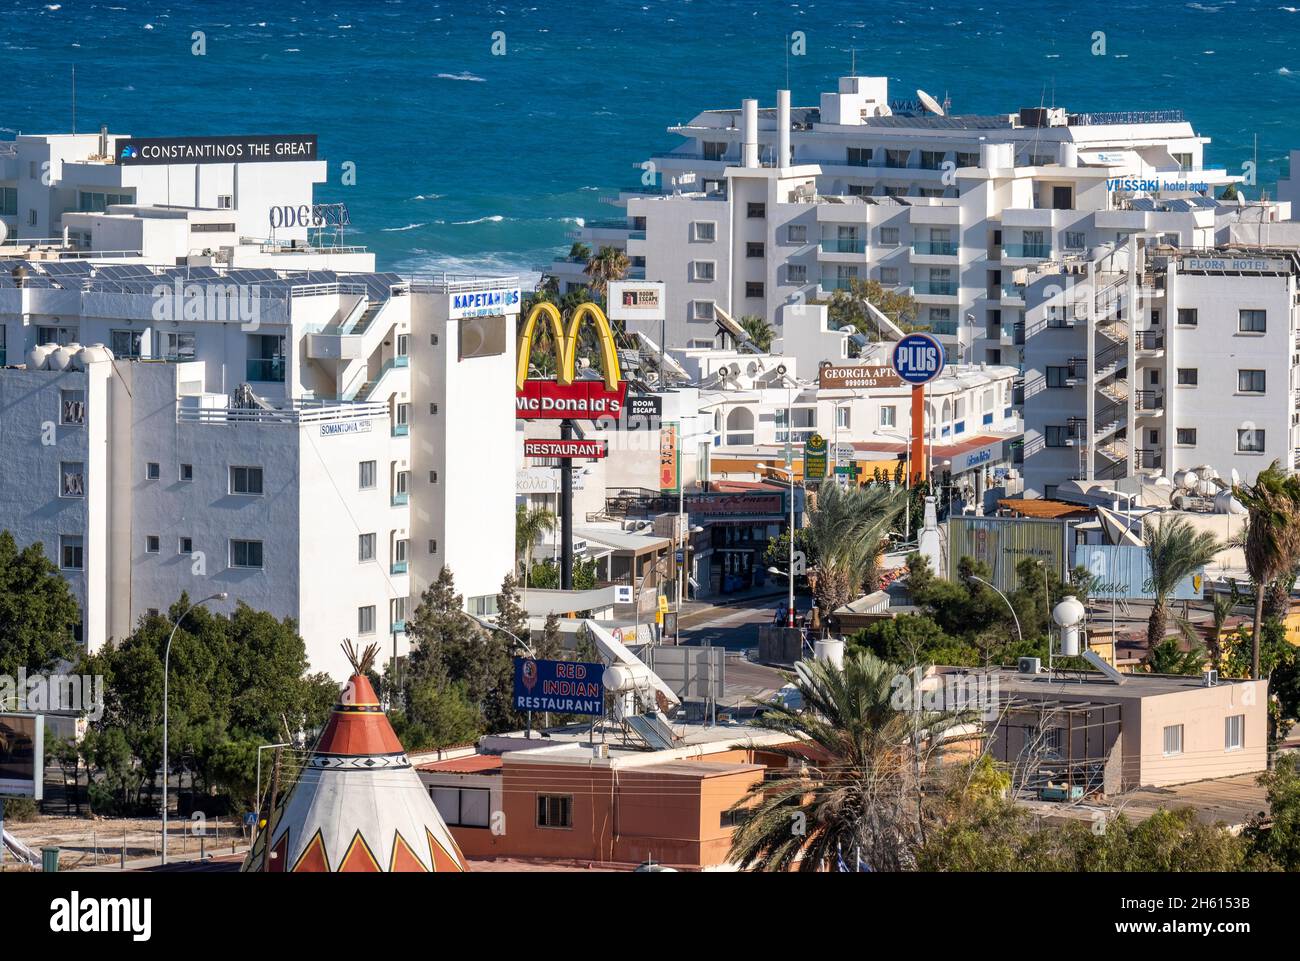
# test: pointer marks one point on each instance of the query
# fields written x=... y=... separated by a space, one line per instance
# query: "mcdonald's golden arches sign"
x=567 y=397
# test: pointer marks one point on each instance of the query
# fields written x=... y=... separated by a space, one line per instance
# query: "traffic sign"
x=918 y=358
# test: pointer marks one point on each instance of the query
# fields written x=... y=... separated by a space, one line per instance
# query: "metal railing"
x=843 y=246
x=1027 y=251
x=301 y=412
x=935 y=248
x=947 y=288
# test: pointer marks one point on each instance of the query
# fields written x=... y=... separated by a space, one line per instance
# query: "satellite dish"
x=4 y=232
x=1236 y=478
x=930 y=103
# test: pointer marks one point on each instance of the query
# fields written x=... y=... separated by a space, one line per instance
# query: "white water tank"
x=1225 y=503
x=61 y=358
x=1068 y=615
x=625 y=677
x=830 y=650
x=39 y=356
x=94 y=354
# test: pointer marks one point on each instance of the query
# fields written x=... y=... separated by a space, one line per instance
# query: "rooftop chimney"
x=749 y=132
x=783 y=128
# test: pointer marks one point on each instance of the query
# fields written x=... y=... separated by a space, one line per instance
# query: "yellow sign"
x=566 y=343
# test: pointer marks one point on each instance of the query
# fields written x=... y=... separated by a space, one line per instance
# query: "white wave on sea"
x=476 y=265
x=394 y=230
x=493 y=219
x=463 y=75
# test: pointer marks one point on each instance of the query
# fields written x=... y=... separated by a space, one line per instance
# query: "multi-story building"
x=1160 y=359
x=761 y=208
x=317 y=445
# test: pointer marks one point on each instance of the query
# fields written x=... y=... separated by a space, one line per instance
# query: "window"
x=397 y=613
x=755 y=210
x=931 y=159
x=1184 y=160
x=704 y=231
x=366 y=620
x=843 y=417
x=703 y=270
x=403 y=481
x=366 y=547
x=152 y=471
x=212 y=228
x=151 y=544
x=125 y=343
x=889 y=276
x=796 y=274
x=889 y=416
x=95 y=202
x=72 y=407
x=56 y=335
x=1252 y=321
x=463 y=807
x=1250 y=441
x=1057 y=376
x=177 y=345
x=72 y=479
x=187 y=472
x=246 y=554
x=715 y=149
x=754 y=248
x=245 y=480
x=701 y=310
x=71 y=552
x=1250 y=381
x=1234 y=732
x=753 y=288
x=9 y=201
x=1187 y=376
x=185 y=545
x=796 y=234
x=1187 y=316
x=1185 y=437
x=403 y=415
x=1173 y=740
x=225 y=202
x=897 y=158
x=555 y=811
x=1056 y=436
x=1075 y=240
x=857 y=156
x=31 y=217
x=400 y=549
x=366 y=475
x=889 y=236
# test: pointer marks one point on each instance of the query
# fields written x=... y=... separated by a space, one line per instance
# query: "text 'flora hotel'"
x=269 y=418
x=1068 y=244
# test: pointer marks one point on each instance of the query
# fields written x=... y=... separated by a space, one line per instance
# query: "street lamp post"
x=1020 y=637
x=167 y=655
x=527 y=649
x=790 y=474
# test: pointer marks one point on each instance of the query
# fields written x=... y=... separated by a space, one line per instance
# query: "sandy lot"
x=86 y=841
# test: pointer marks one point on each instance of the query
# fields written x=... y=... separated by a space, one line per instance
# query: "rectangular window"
x=897 y=158
x=1075 y=240
x=755 y=210
x=796 y=234
x=1185 y=437
x=715 y=149
x=703 y=270
x=72 y=407
x=9 y=201
x=125 y=343
x=71 y=552
x=1252 y=321
x=246 y=554
x=366 y=620
x=1187 y=317
x=1250 y=381
x=843 y=416
x=56 y=335
x=1234 y=732
x=177 y=345
x=889 y=236
x=1055 y=436
x=366 y=475
x=152 y=471
x=702 y=310
x=365 y=547
x=1057 y=376
x=1187 y=376
x=245 y=480
x=151 y=545
x=1173 y=740
x=187 y=472
x=185 y=545
x=753 y=288
x=1250 y=441
x=888 y=416
x=857 y=156
x=72 y=479
x=403 y=481
x=754 y=248
x=889 y=276
x=555 y=811
x=463 y=807
x=225 y=202
x=796 y=274
x=704 y=231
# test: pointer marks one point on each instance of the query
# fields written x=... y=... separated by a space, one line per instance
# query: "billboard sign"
x=669 y=459
x=562 y=687
x=570 y=449
x=482 y=303
x=814 y=457
x=918 y=359
x=1003 y=542
x=584 y=400
x=857 y=377
x=1122 y=571
x=256 y=148
x=22 y=755
x=636 y=300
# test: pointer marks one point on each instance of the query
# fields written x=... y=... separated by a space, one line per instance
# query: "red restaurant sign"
x=581 y=400
x=546 y=447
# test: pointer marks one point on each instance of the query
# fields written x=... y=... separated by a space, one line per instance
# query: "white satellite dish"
x=930 y=103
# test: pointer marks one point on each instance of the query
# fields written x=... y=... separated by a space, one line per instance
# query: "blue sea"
x=466 y=160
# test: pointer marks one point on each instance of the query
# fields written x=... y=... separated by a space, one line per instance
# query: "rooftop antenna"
x=74 y=98
x=947 y=102
x=853 y=61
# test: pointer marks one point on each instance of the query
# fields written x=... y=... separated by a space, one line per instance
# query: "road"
x=735 y=627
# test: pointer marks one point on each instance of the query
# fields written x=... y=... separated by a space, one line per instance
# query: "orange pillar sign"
x=917 y=455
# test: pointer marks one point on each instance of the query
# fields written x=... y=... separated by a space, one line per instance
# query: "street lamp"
x=1020 y=637
x=167 y=655
x=790 y=474
x=524 y=645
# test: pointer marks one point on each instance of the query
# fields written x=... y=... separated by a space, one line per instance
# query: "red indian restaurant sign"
x=583 y=400
x=546 y=447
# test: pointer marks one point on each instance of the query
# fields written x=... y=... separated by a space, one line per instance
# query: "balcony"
x=946 y=328
x=944 y=288
x=397 y=567
x=935 y=248
x=1150 y=340
x=1150 y=400
x=402 y=360
x=401 y=430
x=401 y=499
x=1027 y=251
x=1013 y=293
x=265 y=370
x=836 y=283
x=844 y=246
x=1150 y=459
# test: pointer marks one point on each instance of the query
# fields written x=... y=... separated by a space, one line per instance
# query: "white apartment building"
x=1155 y=358
x=763 y=208
x=317 y=445
x=119 y=197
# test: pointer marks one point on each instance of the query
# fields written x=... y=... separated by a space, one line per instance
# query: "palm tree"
x=530 y=525
x=1175 y=550
x=760 y=331
x=1223 y=605
x=846 y=532
x=1168 y=657
x=609 y=264
x=862 y=754
x=1272 y=543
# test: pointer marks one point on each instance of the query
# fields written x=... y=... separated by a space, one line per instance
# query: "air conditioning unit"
x=1029 y=665
x=1210 y=678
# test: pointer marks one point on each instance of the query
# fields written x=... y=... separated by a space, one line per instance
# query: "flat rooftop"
x=1090 y=683
x=575 y=744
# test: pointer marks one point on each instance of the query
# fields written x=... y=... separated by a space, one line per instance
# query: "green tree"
x=848 y=307
x=761 y=333
x=1168 y=657
x=529 y=526
x=608 y=264
x=846 y=529
x=1272 y=542
x=551 y=645
x=1276 y=836
x=38 y=613
x=437 y=716
x=860 y=771
x=1175 y=550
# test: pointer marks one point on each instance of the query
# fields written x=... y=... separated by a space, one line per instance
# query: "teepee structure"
x=358 y=804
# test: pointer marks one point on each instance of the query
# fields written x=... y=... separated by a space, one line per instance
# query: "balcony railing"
x=1150 y=400
x=1150 y=459
x=397 y=567
x=836 y=283
x=400 y=498
x=401 y=430
x=947 y=328
x=844 y=246
x=1150 y=340
x=947 y=288
x=935 y=248
x=265 y=369
x=1027 y=251
x=1013 y=292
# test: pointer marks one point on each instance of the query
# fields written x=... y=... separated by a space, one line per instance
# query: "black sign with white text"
x=253 y=148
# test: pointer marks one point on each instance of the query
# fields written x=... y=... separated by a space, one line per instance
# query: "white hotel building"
x=760 y=208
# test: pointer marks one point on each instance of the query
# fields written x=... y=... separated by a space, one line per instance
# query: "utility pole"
x=566 y=511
